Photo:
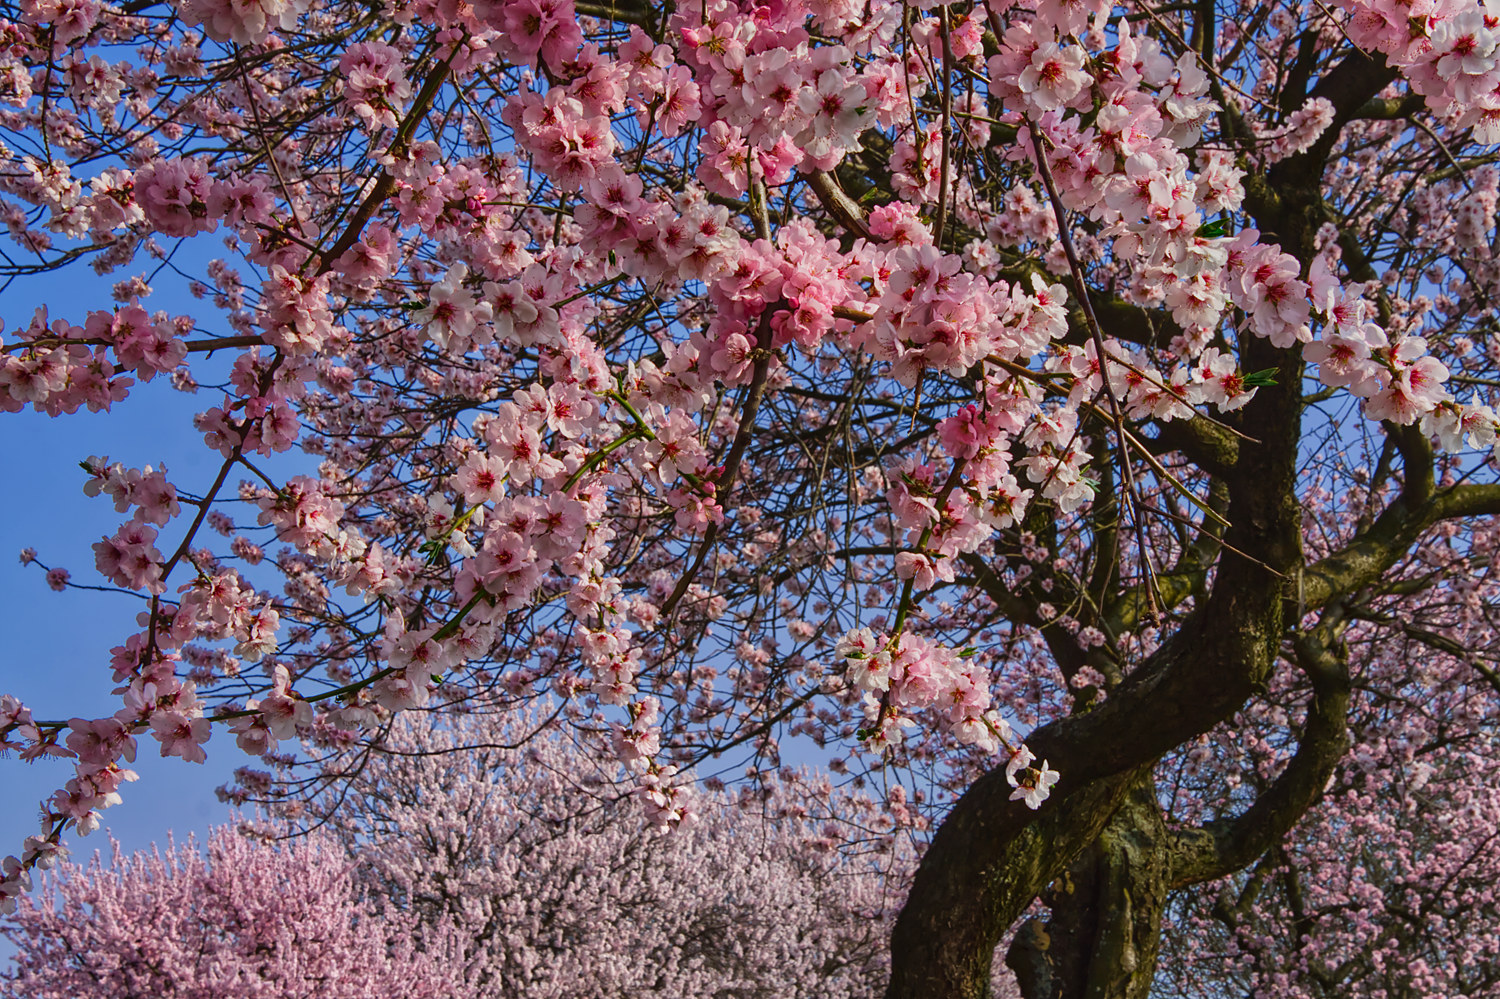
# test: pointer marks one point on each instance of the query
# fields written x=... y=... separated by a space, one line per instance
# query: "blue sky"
x=56 y=657
x=56 y=654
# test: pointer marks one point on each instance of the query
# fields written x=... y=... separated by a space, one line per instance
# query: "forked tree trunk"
x=1101 y=937
x=1099 y=845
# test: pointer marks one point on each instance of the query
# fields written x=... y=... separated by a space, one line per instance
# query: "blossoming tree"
x=239 y=919
x=894 y=379
x=1388 y=883
x=533 y=859
x=519 y=872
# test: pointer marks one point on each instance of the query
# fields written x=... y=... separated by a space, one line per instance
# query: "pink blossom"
x=100 y=742
x=1054 y=77
x=175 y=195
x=180 y=735
x=375 y=86
x=285 y=918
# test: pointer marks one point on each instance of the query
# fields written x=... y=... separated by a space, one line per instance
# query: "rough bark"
x=991 y=856
x=1102 y=934
x=1101 y=938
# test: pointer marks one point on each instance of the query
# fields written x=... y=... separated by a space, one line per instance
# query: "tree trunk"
x=991 y=857
x=1101 y=938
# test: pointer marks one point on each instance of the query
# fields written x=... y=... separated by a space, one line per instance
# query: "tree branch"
x=838 y=204
x=1372 y=552
x=1225 y=846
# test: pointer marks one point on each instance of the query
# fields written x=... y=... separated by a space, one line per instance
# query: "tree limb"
x=1228 y=845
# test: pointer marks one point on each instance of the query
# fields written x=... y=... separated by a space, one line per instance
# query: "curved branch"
x=1209 y=445
x=1226 y=846
x=1372 y=552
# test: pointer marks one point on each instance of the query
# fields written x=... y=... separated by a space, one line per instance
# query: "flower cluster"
x=633 y=364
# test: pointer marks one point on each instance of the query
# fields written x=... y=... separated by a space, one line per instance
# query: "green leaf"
x=1214 y=229
x=1256 y=379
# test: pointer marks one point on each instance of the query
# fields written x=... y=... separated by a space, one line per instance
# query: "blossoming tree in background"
x=520 y=872
x=536 y=862
x=887 y=379
x=1388 y=883
x=242 y=920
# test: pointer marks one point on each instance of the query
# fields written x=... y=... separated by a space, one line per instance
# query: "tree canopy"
x=1077 y=416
